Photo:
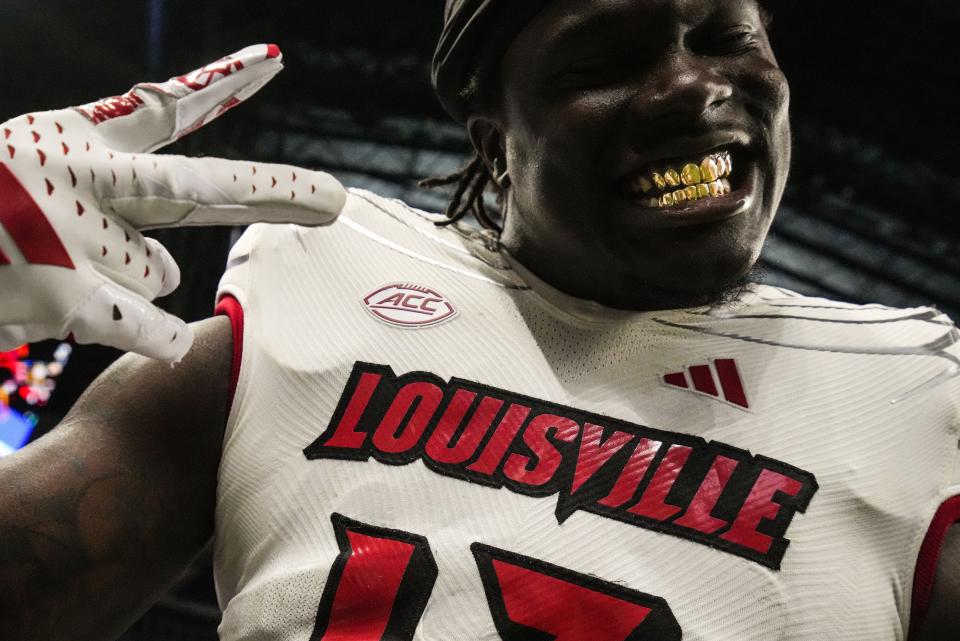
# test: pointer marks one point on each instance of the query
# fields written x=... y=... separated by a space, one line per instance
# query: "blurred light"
x=26 y=382
x=15 y=430
x=31 y=380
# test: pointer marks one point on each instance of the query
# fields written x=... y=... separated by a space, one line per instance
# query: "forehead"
x=564 y=22
x=567 y=12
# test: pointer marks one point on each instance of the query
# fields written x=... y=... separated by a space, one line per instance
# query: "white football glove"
x=77 y=186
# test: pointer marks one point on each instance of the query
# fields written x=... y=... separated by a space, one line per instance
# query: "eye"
x=734 y=42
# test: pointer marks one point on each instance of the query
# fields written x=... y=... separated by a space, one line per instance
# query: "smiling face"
x=599 y=102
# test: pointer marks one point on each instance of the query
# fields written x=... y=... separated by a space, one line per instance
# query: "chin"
x=694 y=280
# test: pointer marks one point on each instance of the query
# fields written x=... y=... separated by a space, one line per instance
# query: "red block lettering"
x=539 y=469
x=653 y=501
x=633 y=472
x=698 y=517
x=501 y=440
x=408 y=417
x=758 y=507
x=711 y=493
x=345 y=434
x=440 y=447
x=594 y=454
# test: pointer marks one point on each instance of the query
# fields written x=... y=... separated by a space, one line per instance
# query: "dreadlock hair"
x=474 y=178
x=472 y=181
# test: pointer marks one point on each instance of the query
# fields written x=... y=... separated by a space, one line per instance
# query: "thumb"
x=150 y=116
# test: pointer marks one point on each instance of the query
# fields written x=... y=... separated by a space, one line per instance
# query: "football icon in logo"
x=406 y=305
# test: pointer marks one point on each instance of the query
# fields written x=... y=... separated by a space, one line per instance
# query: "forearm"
x=83 y=563
x=100 y=516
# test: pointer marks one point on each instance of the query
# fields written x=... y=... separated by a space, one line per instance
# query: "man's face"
x=602 y=99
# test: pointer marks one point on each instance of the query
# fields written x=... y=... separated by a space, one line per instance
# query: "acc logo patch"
x=406 y=305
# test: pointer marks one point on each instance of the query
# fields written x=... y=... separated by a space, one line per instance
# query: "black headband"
x=474 y=28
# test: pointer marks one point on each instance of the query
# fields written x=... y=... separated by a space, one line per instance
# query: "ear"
x=486 y=135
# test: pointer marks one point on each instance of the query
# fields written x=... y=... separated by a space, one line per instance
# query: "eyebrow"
x=577 y=27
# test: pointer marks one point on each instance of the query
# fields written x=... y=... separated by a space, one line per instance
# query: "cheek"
x=764 y=88
x=779 y=97
x=780 y=136
x=778 y=89
x=556 y=149
x=766 y=94
x=570 y=126
x=774 y=94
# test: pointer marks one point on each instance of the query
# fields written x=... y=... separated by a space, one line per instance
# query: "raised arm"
x=100 y=516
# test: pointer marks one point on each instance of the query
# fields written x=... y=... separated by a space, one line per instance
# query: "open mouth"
x=677 y=183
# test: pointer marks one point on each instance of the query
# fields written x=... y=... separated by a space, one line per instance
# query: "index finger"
x=150 y=115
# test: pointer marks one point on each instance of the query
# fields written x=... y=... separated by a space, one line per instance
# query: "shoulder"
x=778 y=302
x=905 y=336
x=846 y=349
x=364 y=211
x=377 y=231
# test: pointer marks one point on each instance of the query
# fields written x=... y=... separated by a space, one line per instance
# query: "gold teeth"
x=691 y=174
x=710 y=169
x=716 y=189
x=691 y=177
x=671 y=177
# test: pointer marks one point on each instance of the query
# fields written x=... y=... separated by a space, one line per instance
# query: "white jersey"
x=428 y=443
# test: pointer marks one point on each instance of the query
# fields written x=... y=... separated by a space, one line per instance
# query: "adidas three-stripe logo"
x=28 y=226
x=704 y=378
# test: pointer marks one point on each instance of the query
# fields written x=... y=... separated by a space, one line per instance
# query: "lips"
x=656 y=197
x=707 y=177
x=663 y=164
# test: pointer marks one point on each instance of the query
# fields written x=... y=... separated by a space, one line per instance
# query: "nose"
x=680 y=87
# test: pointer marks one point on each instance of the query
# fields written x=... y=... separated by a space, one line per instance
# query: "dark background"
x=871 y=214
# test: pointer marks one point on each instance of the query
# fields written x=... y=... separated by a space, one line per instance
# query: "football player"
x=577 y=420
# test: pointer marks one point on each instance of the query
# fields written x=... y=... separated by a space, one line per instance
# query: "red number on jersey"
x=378 y=586
x=527 y=597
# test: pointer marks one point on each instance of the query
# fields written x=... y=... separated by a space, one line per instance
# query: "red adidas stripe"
x=677 y=380
x=703 y=380
x=28 y=226
x=730 y=381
